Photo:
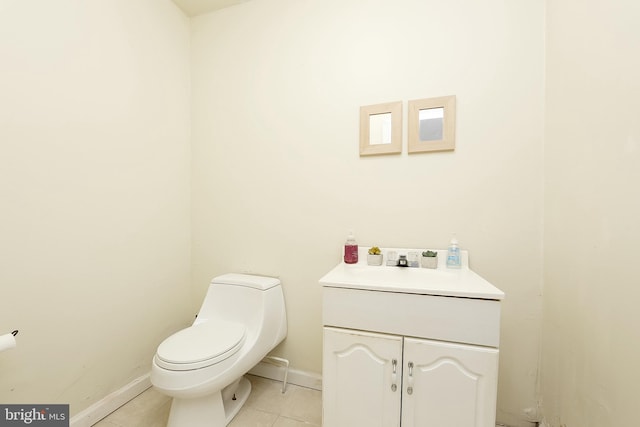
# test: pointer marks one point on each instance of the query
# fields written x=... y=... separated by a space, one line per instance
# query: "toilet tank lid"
x=249 y=280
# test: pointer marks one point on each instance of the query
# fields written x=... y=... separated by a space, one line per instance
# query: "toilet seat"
x=201 y=345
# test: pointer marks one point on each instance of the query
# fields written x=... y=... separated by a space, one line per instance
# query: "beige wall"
x=277 y=180
x=94 y=190
x=94 y=178
x=590 y=375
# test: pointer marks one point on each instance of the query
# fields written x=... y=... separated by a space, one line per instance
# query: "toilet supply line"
x=277 y=361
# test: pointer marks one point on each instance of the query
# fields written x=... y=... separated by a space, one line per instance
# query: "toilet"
x=202 y=367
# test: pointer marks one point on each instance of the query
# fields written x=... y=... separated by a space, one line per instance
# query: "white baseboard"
x=110 y=403
x=297 y=377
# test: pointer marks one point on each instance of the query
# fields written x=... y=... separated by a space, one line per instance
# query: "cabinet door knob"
x=410 y=379
x=394 y=375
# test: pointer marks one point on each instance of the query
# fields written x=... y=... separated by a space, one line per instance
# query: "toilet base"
x=210 y=410
x=232 y=407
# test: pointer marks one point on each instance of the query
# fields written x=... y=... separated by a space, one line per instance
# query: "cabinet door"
x=448 y=385
x=358 y=379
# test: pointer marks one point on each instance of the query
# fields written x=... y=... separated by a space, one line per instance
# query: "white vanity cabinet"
x=448 y=384
x=409 y=347
x=369 y=377
x=359 y=387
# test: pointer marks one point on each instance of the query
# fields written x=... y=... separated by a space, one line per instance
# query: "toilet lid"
x=201 y=345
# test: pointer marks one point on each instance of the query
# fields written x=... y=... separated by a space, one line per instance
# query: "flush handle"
x=394 y=375
x=410 y=379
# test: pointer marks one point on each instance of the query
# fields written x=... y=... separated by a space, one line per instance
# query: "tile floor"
x=266 y=407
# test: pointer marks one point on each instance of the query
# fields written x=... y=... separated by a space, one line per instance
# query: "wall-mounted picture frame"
x=432 y=124
x=381 y=129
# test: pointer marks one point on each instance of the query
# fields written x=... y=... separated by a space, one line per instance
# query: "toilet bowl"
x=242 y=319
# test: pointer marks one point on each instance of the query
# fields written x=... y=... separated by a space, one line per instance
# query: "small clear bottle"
x=453 y=254
x=351 y=250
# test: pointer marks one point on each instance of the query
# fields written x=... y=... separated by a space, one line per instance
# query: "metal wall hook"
x=14 y=333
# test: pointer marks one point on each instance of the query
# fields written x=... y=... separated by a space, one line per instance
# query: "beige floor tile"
x=249 y=417
x=106 y=423
x=266 y=395
x=304 y=404
x=149 y=409
x=297 y=403
x=266 y=406
x=289 y=422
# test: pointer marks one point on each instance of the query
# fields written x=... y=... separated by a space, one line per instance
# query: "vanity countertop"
x=463 y=282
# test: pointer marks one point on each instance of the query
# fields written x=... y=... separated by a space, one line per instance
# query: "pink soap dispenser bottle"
x=351 y=250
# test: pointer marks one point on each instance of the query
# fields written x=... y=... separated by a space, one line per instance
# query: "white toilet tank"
x=256 y=301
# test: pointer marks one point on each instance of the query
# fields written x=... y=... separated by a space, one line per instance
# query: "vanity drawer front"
x=463 y=320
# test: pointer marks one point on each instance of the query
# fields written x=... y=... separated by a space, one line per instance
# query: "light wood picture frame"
x=432 y=124
x=381 y=129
